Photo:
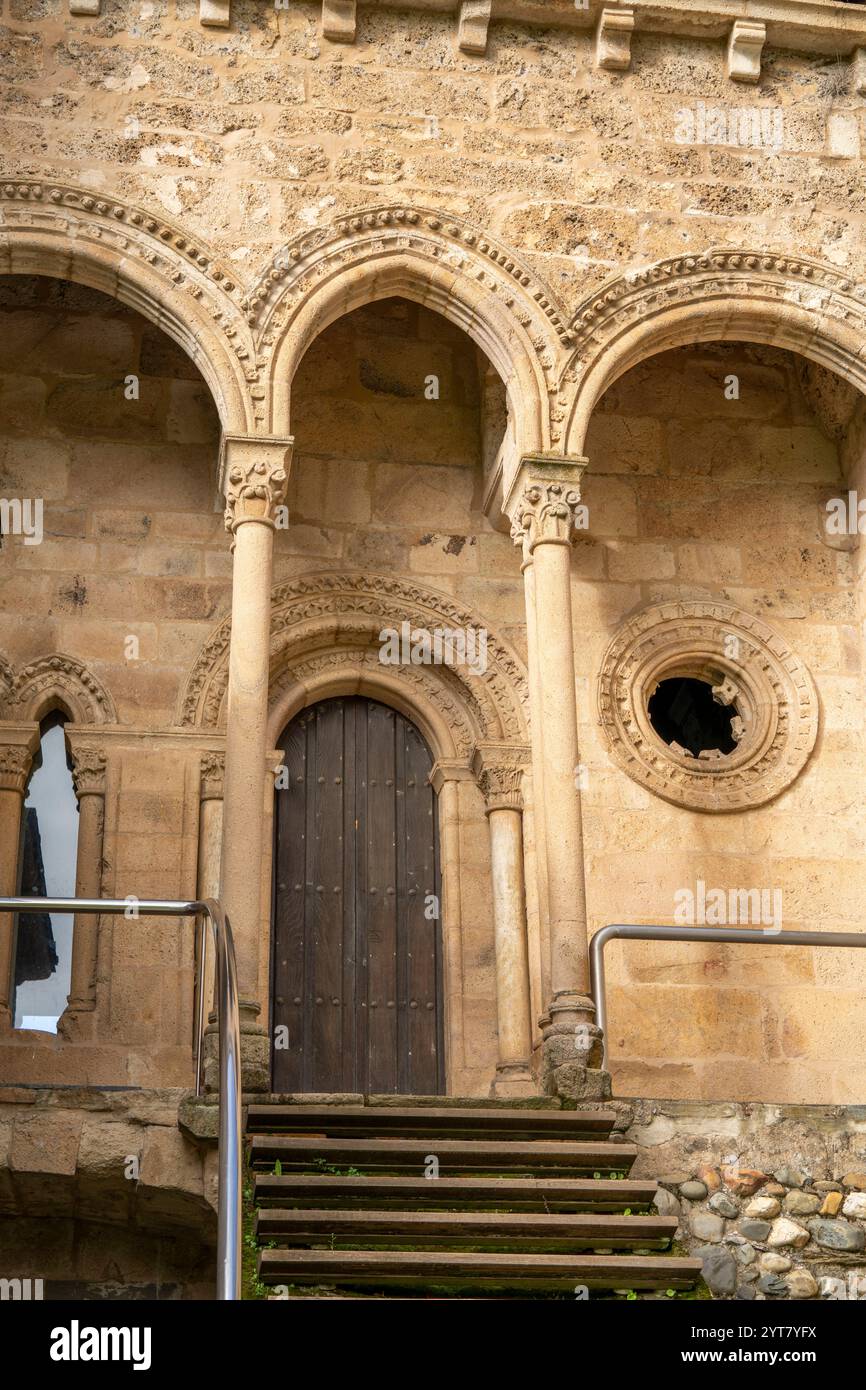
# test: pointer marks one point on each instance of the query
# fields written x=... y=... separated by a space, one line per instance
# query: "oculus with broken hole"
x=706 y=706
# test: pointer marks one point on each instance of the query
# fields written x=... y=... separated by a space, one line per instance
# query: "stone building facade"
x=532 y=322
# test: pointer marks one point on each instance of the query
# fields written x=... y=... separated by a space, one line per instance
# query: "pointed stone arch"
x=793 y=302
x=325 y=641
x=57 y=682
x=440 y=262
x=147 y=263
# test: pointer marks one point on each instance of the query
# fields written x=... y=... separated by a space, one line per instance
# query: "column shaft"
x=509 y=919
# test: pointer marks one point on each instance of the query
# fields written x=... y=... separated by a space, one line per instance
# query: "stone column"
x=89 y=763
x=210 y=827
x=498 y=769
x=445 y=779
x=543 y=504
x=18 y=744
x=255 y=475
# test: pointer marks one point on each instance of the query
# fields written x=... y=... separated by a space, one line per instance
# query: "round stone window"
x=706 y=706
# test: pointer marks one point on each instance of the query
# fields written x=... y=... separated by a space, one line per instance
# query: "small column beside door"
x=543 y=503
x=18 y=745
x=499 y=771
x=255 y=477
x=88 y=763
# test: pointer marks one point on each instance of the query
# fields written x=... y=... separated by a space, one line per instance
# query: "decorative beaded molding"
x=750 y=667
x=30 y=691
x=613 y=39
x=331 y=621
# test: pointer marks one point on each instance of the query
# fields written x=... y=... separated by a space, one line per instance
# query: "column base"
x=571 y=1050
x=255 y=1051
x=513 y=1079
x=77 y=1023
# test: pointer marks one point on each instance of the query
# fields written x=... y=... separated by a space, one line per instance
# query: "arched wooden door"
x=357 y=969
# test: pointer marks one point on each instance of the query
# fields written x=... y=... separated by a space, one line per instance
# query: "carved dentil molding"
x=752 y=669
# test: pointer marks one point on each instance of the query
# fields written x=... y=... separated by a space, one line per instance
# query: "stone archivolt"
x=248 y=340
x=35 y=689
x=330 y=624
x=755 y=668
x=794 y=302
x=442 y=262
x=148 y=263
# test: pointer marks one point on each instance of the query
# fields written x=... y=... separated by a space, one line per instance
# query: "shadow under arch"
x=796 y=303
x=146 y=263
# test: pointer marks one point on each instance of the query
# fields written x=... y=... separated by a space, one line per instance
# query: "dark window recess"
x=683 y=711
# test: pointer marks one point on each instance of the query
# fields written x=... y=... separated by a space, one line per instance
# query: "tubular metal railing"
x=229 y=1201
x=739 y=935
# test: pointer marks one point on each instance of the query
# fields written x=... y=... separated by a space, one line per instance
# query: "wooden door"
x=357 y=971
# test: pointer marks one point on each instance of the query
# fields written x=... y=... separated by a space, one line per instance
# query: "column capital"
x=449 y=770
x=88 y=765
x=543 y=501
x=213 y=767
x=498 y=770
x=18 y=746
x=254 y=475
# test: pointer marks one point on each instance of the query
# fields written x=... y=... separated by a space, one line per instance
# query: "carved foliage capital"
x=544 y=503
x=18 y=745
x=213 y=767
x=498 y=771
x=88 y=770
x=255 y=479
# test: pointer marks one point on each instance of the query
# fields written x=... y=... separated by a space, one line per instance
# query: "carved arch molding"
x=34 y=689
x=330 y=624
x=248 y=336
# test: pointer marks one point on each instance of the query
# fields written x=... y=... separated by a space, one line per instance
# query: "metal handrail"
x=229 y=1196
x=739 y=935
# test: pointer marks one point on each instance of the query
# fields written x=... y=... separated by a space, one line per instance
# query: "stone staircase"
x=527 y=1203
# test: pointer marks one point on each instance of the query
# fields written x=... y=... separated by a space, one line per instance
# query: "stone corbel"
x=745 y=46
x=255 y=475
x=498 y=770
x=613 y=39
x=89 y=7
x=473 y=22
x=216 y=14
x=543 y=501
x=339 y=20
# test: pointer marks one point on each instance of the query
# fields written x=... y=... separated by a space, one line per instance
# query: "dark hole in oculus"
x=682 y=710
